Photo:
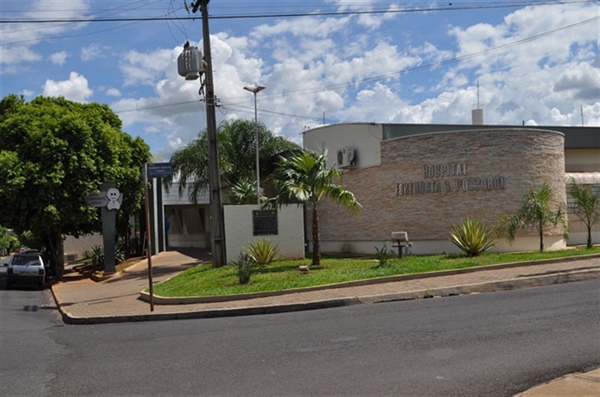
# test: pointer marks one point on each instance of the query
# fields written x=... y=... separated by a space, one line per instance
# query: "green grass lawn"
x=203 y=280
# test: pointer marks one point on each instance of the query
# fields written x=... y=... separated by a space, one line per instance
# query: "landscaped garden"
x=203 y=280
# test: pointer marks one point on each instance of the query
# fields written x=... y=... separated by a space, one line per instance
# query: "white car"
x=26 y=268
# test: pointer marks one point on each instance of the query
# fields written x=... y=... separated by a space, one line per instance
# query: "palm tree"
x=304 y=178
x=536 y=212
x=587 y=207
x=237 y=156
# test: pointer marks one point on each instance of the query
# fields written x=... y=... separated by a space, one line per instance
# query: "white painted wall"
x=238 y=231
x=74 y=247
x=365 y=138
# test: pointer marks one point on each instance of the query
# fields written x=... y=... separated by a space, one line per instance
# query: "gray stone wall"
x=428 y=182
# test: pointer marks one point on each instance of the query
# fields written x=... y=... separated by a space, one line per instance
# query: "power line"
x=450 y=7
x=390 y=75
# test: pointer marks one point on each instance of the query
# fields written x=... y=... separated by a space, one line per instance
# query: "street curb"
x=511 y=284
x=163 y=300
x=243 y=311
x=504 y=285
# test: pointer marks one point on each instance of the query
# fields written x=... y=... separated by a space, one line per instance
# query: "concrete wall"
x=582 y=160
x=428 y=182
x=74 y=247
x=365 y=138
x=239 y=231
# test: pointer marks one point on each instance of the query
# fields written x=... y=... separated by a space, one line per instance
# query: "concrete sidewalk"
x=117 y=299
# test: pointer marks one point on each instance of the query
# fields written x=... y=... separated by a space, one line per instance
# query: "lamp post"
x=256 y=90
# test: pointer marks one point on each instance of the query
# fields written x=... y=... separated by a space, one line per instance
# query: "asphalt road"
x=26 y=348
x=493 y=344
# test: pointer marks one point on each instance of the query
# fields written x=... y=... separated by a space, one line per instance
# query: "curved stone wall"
x=428 y=182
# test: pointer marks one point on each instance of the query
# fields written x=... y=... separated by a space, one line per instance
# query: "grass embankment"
x=203 y=280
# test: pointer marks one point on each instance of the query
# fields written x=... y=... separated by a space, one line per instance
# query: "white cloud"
x=301 y=27
x=16 y=37
x=14 y=55
x=147 y=68
x=91 y=52
x=58 y=58
x=113 y=92
x=75 y=89
x=336 y=69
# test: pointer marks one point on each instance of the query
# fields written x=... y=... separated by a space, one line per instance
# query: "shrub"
x=244 y=268
x=472 y=236
x=263 y=252
x=383 y=255
x=97 y=255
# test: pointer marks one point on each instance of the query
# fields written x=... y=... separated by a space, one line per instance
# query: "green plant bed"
x=203 y=280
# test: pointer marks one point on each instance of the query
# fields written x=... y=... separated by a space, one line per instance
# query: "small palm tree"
x=243 y=192
x=536 y=212
x=304 y=178
x=587 y=207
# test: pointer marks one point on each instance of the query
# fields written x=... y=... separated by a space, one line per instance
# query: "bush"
x=244 y=267
x=383 y=255
x=263 y=252
x=97 y=255
x=472 y=237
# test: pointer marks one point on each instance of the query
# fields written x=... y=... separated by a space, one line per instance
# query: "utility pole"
x=216 y=206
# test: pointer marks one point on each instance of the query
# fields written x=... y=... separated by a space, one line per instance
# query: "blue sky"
x=537 y=62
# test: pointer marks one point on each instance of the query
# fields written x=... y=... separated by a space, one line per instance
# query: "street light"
x=256 y=90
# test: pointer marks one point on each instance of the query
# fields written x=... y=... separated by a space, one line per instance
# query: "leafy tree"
x=305 y=178
x=237 y=159
x=53 y=154
x=587 y=206
x=7 y=240
x=537 y=211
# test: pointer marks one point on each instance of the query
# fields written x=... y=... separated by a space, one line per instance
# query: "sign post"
x=148 y=236
x=151 y=171
x=109 y=200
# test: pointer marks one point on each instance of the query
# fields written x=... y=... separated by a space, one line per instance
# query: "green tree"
x=587 y=206
x=305 y=178
x=237 y=159
x=537 y=211
x=53 y=154
x=7 y=240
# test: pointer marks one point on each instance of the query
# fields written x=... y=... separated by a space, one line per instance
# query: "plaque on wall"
x=264 y=223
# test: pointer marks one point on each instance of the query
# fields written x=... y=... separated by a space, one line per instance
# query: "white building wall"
x=239 y=235
x=365 y=138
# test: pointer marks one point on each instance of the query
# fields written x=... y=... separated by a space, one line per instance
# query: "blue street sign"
x=160 y=170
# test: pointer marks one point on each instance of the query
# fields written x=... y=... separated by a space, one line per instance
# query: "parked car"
x=26 y=268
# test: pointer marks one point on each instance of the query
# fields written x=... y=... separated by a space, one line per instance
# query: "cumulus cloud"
x=17 y=37
x=113 y=92
x=59 y=58
x=321 y=70
x=75 y=89
x=147 y=68
x=581 y=81
x=91 y=52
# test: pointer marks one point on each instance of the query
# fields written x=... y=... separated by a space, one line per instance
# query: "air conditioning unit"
x=346 y=157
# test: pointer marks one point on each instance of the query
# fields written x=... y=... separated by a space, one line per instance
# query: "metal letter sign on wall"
x=264 y=223
x=160 y=170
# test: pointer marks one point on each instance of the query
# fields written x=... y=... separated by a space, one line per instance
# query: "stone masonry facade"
x=428 y=182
